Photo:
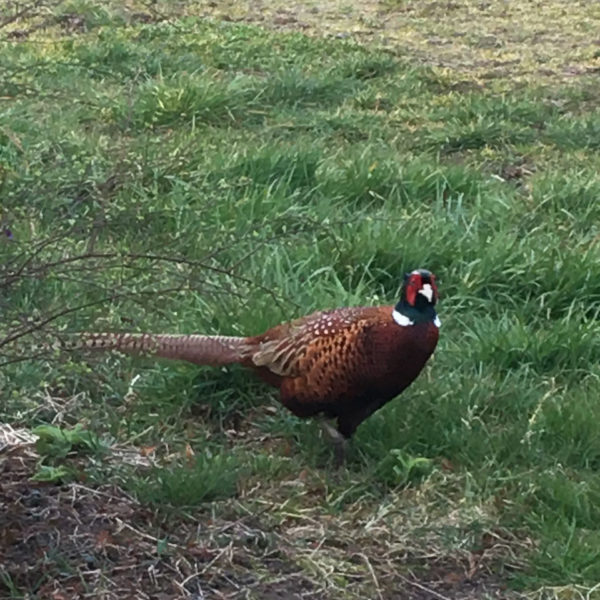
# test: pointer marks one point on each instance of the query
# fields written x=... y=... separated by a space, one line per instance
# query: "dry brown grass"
x=508 y=43
x=99 y=542
x=516 y=42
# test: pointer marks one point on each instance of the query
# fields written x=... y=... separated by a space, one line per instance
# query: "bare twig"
x=61 y=313
x=373 y=575
x=26 y=11
x=423 y=588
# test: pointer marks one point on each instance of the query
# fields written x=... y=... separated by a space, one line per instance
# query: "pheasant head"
x=418 y=298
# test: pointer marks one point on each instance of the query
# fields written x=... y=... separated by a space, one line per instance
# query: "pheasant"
x=344 y=363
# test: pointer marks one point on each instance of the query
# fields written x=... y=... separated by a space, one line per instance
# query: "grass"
x=190 y=175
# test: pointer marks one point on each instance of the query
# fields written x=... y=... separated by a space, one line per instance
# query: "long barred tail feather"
x=212 y=350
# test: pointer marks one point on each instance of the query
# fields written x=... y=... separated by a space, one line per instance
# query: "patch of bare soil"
x=73 y=541
x=478 y=41
x=514 y=41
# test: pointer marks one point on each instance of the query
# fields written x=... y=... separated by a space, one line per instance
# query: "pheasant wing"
x=287 y=349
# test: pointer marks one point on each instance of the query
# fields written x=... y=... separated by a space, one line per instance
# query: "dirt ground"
x=75 y=541
x=515 y=42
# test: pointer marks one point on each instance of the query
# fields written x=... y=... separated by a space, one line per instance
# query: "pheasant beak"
x=427 y=291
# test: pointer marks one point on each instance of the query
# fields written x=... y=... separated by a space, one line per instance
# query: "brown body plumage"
x=344 y=363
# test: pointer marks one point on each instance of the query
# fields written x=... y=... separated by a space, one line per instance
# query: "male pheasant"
x=344 y=363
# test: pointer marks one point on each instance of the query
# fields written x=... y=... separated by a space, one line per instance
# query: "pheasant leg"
x=340 y=443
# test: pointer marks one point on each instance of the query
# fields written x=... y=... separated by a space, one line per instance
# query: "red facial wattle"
x=412 y=288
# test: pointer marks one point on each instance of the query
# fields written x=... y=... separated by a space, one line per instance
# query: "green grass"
x=203 y=479
x=195 y=176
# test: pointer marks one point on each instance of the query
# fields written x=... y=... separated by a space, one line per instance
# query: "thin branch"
x=373 y=575
x=61 y=313
x=432 y=593
x=24 y=12
x=132 y=256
